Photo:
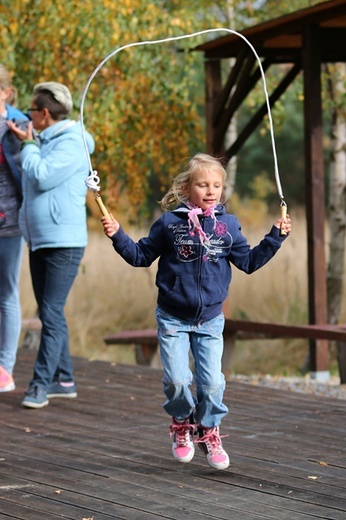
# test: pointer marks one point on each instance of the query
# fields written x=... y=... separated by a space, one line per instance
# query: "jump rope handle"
x=283 y=208
x=102 y=207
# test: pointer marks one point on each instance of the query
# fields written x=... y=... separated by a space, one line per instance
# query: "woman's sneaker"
x=183 y=447
x=61 y=389
x=6 y=381
x=210 y=443
x=35 y=397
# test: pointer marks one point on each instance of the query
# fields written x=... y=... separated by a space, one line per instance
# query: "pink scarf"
x=195 y=225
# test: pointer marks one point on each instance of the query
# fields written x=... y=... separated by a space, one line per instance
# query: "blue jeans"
x=53 y=271
x=11 y=249
x=205 y=340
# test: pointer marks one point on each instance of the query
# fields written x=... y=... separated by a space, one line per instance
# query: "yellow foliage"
x=139 y=107
x=13 y=27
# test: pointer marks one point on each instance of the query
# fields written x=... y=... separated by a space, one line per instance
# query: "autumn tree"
x=139 y=107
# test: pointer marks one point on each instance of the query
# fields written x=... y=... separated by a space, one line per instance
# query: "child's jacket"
x=193 y=280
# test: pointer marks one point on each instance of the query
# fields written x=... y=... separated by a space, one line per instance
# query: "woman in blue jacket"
x=52 y=219
x=11 y=240
x=195 y=244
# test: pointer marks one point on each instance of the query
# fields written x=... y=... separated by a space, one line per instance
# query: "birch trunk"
x=231 y=133
x=337 y=211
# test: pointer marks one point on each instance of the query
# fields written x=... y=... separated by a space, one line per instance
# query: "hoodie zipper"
x=199 y=278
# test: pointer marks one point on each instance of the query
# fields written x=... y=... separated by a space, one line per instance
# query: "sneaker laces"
x=182 y=432
x=32 y=391
x=212 y=440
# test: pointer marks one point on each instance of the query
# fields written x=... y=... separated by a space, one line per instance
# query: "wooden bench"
x=146 y=342
x=31 y=324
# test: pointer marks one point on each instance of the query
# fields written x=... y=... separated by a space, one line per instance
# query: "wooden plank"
x=274 y=330
x=15 y=510
x=268 y=330
x=108 y=453
x=132 y=470
x=148 y=336
x=131 y=478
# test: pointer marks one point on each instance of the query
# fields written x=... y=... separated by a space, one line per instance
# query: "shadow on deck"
x=107 y=455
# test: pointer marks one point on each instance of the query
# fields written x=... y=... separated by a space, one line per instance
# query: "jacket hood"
x=65 y=127
x=182 y=208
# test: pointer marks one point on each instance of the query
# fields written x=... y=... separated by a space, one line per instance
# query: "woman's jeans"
x=11 y=249
x=53 y=271
x=176 y=338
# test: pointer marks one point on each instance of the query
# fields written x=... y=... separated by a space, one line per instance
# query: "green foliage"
x=282 y=7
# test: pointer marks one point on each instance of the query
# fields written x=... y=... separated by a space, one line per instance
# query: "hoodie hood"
x=183 y=208
x=65 y=127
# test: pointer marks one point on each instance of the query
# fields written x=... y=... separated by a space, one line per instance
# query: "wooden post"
x=315 y=198
x=213 y=90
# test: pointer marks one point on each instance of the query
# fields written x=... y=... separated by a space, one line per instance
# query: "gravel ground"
x=331 y=388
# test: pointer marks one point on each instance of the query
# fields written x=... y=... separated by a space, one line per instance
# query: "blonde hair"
x=6 y=82
x=200 y=162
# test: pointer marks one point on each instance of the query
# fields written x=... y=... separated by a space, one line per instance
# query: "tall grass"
x=109 y=295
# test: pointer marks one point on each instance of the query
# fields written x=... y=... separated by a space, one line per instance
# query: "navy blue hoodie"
x=193 y=281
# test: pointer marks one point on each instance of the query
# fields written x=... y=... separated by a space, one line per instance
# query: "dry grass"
x=109 y=295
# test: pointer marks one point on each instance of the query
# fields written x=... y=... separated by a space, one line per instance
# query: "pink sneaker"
x=6 y=381
x=183 y=447
x=210 y=443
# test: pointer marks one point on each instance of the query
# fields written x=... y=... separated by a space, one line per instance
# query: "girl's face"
x=205 y=188
x=4 y=93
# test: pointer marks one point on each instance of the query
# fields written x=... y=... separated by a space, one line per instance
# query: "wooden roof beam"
x=230 y=83
x=247 y=81
x=242 y=83
x=261 y=113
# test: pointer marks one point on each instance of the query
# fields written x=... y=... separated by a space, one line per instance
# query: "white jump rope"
x=93 y=180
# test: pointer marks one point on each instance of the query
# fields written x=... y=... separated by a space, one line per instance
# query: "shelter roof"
x=281 y=39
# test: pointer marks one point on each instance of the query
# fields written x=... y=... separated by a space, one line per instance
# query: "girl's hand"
x=284 y=224
x=111 y=226
x=22 y=134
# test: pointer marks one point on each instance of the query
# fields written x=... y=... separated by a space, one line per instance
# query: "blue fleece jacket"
x=192 y=281
x=53 y=212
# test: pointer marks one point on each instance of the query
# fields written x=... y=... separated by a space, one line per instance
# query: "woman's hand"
x=22 y=135
x=111 y=226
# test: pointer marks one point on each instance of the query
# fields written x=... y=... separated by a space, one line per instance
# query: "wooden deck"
x=106 y=455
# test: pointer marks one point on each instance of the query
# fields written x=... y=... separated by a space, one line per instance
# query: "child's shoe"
x=6 y=381
x=210 y=443
x=183 y=447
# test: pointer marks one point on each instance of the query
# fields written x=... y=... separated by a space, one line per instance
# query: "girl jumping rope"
x=196 y=242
